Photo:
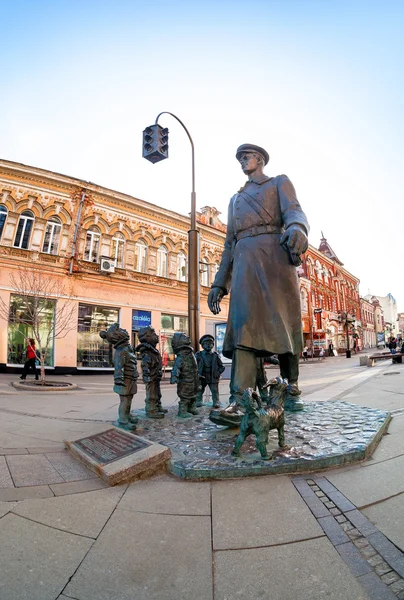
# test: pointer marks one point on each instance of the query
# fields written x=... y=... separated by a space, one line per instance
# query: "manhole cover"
x=392 y=373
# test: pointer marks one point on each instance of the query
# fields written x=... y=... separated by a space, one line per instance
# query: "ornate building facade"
x=123 y=259
x=328 y=290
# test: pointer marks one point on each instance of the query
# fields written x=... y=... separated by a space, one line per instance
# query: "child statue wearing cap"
x=185 y=374
x=125 y=374
x=151 y=371
x=210 y=368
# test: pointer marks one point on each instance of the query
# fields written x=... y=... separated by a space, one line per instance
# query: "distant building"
x=368 y=323
x=389 y=307
x=327 y=290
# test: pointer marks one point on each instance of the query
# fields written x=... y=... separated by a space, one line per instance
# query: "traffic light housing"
x=155 y=143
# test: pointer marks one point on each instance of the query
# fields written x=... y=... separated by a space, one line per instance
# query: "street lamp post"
x=155 y=148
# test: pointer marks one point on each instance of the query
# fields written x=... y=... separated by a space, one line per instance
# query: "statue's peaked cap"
x=252 y=148
x=207 y=336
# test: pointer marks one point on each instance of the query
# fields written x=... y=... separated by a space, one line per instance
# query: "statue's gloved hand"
x=296 y=239
x=214 y=298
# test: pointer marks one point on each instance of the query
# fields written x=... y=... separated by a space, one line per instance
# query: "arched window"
x=92 y=247
x=325 y=273
x=3 y=217
x=215 y=269
x=181 y=266
x=303 y=300
x=162 y=261
x=204 y=271
x=319 y=270
x=141 y=256
x=118 y=250
x=309 y=268
x=52 y=236
x=24 y=229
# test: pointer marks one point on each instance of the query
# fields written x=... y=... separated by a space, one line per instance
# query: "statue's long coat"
x=264 y=313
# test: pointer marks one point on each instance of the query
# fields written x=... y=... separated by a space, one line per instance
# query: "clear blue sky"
x=318 y=83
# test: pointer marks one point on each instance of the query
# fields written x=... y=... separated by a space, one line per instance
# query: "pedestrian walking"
x=305 y=353
x=31 y=356
x=322 y=353
x=330 y=349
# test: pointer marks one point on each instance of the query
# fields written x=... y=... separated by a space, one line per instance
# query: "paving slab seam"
x=262 y=546
x=375 y=561
x=212 y=550
x=9 y=470
x=147 y=512
x=87 y=537
x=363 y=506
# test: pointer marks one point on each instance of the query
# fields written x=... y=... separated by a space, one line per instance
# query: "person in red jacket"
x=30 y=353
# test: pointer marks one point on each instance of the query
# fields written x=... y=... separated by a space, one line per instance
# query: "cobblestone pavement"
x=338 y=534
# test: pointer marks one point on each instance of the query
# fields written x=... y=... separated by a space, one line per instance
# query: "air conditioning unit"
x=107 y=265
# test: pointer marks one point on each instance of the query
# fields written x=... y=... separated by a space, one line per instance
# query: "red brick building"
x=327 y=290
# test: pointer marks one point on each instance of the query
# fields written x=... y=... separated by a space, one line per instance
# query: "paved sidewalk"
x=338 y=535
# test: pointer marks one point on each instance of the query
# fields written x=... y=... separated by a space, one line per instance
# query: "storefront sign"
x=140 y=318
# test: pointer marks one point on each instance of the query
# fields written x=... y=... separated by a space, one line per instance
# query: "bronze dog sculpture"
x=260 y=419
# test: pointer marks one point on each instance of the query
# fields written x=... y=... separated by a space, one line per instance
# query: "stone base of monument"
x=323 y=435
x=118 y=456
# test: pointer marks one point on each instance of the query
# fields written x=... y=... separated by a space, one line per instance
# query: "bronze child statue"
x=259 y=420
x=185 y=375
x=125 y=374
x=210 y=368
x=151 y=371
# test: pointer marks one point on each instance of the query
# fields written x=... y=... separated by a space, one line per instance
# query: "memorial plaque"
x=110 y=445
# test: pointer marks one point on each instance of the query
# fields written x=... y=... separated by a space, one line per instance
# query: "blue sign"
x=140 y=318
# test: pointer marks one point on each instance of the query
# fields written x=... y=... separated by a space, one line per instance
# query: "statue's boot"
x=182 y=409
x=152 y=411
x=160 y=408
x=293 y=402
x=199 y=400
x=192 y=408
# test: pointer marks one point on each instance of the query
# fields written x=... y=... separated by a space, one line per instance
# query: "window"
x=204 y=271
x=303 y=300
x=24 y=229
x=24 y=312
x=52 y=236
x=325 y=273
x=92 y=351
x=169 y=325
x=181 y=266
x=92 y=247
x=319 y=270
x=140 y=256
x=3 y=217
x=162 y=262
x=118 y=250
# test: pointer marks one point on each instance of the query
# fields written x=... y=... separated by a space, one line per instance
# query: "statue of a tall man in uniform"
x=266 y=234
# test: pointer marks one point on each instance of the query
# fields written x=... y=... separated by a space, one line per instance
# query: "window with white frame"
x=181 y=266
x=3 y=217
x=52 y=236
x=118 y=250
x=325 y=273
x=141 y=256
x=204 y=271
x=303 y=300
x=24 y=229
x=92 y=247
x=319 y=269
x=162 y=261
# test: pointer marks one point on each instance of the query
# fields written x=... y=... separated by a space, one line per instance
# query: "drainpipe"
x=76 y=230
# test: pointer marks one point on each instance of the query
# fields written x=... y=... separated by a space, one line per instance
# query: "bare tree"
x=43 y=303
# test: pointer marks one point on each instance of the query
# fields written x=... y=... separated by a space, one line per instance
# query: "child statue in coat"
x=125 y=374
x=151 y=371
x=185 y=375
x=210 y=368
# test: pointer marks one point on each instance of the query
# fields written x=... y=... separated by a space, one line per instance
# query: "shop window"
x=118 y=250
x=52 y=236
x=3 y=217
x=24 y=312
x=141 y=256
x=181 y=266
x=92 y=247
x=92 y=351
x=162 y=261
x=204 y=272
x=24 y=229
x=169 y=325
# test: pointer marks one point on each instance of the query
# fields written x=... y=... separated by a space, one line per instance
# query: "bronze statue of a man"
x=266 y=234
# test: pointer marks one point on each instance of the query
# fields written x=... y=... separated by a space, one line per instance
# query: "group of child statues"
x=191 y=372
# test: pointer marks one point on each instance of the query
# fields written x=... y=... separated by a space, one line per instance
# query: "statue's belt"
x=257 y=230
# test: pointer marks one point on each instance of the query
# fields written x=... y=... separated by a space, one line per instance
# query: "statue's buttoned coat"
x=264 y=312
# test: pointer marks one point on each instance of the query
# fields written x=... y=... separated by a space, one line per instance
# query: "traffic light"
x=155 y=143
